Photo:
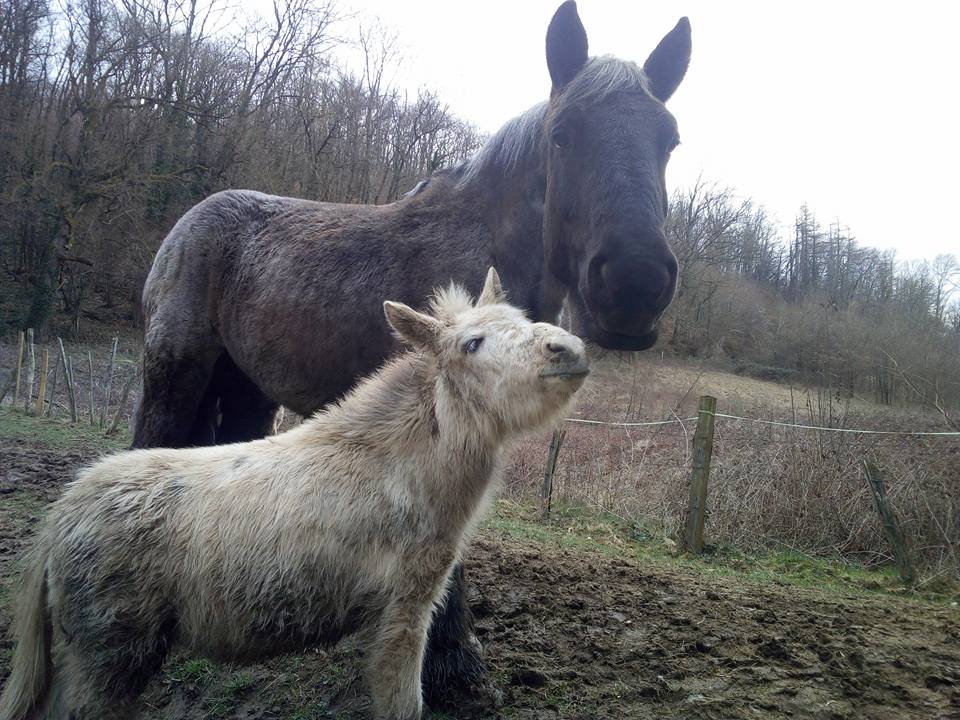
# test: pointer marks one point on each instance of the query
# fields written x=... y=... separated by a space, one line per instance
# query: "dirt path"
x=579 y=634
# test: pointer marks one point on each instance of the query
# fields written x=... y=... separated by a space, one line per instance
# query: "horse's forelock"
x=600 y=77
x=522 y=136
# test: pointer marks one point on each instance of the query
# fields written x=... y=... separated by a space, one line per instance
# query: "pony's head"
x=492 y=362
x=608 y=139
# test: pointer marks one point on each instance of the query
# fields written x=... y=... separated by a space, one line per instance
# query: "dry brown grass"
x=769 y=486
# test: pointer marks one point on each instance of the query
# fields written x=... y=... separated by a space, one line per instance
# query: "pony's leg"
x=396 y=660
x=175 y=384
x=77 y=693
x=453 y=660
x=246 y=412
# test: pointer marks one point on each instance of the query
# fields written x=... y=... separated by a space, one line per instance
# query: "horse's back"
x=196 y=244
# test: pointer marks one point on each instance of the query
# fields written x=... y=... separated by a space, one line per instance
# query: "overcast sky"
x=848 y=106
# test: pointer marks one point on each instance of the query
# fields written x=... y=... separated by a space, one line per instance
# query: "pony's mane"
x=522 y=136
x=446 y=303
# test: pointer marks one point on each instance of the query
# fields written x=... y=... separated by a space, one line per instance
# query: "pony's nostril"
x=558 y=348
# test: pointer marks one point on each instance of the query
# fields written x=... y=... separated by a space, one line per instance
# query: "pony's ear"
x=668 y=63
x=566 y=45
x=492 y=292
x=421 y=331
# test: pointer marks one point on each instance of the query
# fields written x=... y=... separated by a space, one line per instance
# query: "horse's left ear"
x=566 y=45
x=668 y=63
x=492 y=292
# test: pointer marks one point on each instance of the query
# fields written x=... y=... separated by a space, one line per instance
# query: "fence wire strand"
x=856 y=431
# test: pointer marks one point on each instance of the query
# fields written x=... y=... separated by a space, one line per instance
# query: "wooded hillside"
x=117 y=115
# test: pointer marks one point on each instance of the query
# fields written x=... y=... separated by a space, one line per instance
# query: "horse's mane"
x=522 y=136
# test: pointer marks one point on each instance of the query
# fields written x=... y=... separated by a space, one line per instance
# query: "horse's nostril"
x=558 y=348
x=654 y=282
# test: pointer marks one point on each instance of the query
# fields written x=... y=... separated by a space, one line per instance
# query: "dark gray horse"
x=256 y=301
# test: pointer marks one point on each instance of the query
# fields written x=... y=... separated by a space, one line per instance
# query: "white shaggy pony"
x=350 y=522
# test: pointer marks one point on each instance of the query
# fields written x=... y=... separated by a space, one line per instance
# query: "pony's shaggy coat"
x=350 y=522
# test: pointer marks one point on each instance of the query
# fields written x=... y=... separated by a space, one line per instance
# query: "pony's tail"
x=30 y=673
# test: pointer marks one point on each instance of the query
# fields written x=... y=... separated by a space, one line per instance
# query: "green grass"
x=195 y=672
x=316 y=711
x=224 y=699
x=586 y=531
x=59 y=433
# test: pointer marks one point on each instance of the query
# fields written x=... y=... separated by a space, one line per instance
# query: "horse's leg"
x=176 y=410
x=453 y=660
x=246 y=412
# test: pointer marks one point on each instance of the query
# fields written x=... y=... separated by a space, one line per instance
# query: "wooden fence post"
x=90 y=376
x=109 y=383
x=546 y=492
x=53 y=388
x=891 y=527
x=123 y=402
x=42 y=391
x=16 y=387
x=702 y=451
x=31 y=371
x=68 y=378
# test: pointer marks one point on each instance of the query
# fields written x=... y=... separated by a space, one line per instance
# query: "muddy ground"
x=575 y=633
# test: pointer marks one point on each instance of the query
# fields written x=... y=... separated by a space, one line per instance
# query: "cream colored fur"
x=350 y=522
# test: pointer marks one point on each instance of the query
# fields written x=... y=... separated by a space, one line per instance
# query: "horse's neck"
x=508 y=206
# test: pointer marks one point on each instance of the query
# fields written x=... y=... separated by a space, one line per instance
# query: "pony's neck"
x=402 y=416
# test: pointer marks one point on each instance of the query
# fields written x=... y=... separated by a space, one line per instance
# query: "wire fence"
x=775 y=482
x=777 y=423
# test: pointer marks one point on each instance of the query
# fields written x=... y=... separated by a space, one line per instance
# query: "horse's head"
x=609 y=138
x=494 y=365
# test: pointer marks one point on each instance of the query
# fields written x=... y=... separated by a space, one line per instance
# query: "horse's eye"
x=560 y=137
x=472 y=345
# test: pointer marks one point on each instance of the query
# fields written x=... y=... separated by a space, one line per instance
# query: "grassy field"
x=792 y=611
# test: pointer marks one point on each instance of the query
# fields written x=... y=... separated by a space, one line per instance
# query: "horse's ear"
x=492 y=292
x=668 y=63
x=421 y=331
x=566 y=45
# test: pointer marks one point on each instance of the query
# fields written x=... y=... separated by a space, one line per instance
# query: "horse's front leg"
x=396 y=659
x=453 y=661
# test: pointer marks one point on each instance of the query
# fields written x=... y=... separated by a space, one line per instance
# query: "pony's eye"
x=472 y=345
x=560 y=137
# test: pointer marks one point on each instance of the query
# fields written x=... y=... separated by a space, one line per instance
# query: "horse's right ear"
x=668 y=63
x=566 y=45
x=421 y=331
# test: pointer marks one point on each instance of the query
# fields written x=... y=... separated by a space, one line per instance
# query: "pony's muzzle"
x=566 y=355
